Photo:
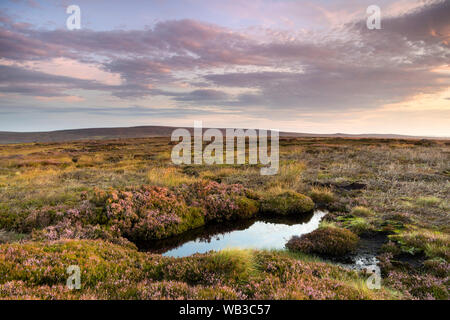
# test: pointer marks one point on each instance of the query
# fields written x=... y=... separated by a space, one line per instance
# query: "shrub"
x=41 y=218
x=45 y=263
x=437 y=267
x=287 y=203
x=399 y=216
x=421 y=286
x=37 y=270
x=391 y=247
x=144 y=213
x=150 y=213
x=328 y=241
x=220 y=202
x=69 y=229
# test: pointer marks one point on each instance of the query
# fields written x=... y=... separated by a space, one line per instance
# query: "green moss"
x=287 y=203
x=434 y=244
x=358 y=225
x=192 y=218
x=247 y=207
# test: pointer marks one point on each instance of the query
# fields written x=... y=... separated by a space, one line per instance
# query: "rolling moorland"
x=7 y=137
x=88 y=203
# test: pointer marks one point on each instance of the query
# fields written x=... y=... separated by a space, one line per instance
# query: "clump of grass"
x=11 y=236
x=359 y=225
x=362 y=212
x=328 y=241
x=434 y=244
x=428 y=201
x=322 y=195
x=239 y=263
x=168 y=177
x=287 y=203
x=327 y=224
x=289 y=175
x=391 y=247
x=220 y=173
x=403 y=217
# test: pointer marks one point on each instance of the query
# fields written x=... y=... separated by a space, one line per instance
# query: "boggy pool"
x=260 y=233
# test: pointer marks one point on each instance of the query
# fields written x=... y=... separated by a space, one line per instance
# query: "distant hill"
x=7 y=137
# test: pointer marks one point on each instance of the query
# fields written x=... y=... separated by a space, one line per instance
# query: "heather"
x=326 y=241
x=145 y=213
x=220 y=201
x=116 y=192
x=37 y=270
x=427 y=282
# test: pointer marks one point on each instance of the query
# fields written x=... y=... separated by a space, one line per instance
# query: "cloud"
x=339 y=69
x=15 y=79
x=133 y=111
x=203 y=95
x=429 y=23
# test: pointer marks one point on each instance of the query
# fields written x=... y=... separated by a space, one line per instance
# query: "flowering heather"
x=144 y=213
x=438 y=267
x=219 y=201
x=72 y=229
x=51 y=216
x=177 y=290
x=41 y=218
x=19 y=290
x=430 y=281
x=419 y=286
x=37 y=270
x=148 y=213
x=328 y=241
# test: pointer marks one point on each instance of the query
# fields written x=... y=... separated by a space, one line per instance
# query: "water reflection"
x=267 y=233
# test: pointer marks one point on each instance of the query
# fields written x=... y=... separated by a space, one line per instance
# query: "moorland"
x=89 y=203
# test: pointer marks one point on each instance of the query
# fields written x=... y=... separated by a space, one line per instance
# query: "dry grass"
x=168 y=177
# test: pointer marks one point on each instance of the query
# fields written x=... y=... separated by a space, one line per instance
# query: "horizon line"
x=192 y=127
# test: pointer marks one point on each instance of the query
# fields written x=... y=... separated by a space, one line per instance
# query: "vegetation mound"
x=287 y=203
x=149 y=212
x=328 y=241
x=38 y=270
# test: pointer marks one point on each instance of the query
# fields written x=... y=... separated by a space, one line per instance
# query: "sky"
x=293 y=65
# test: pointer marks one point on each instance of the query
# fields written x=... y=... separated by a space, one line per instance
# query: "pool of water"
x=267 y=233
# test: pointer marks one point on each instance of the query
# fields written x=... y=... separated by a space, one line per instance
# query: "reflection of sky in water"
x=260 y=235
